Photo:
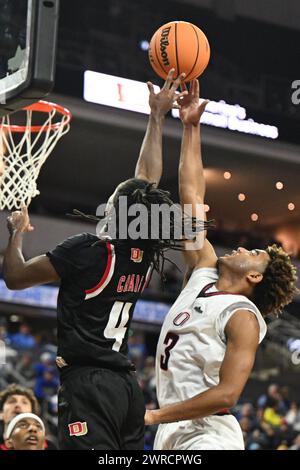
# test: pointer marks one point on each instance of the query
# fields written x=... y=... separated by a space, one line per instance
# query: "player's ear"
x=254 y=277
x=8 y=443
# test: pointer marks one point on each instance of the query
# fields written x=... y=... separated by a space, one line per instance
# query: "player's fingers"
x=183 y=86
x=203 y=105
x=169 y=79
x=24 y=210
x=197 y=87
x=177 y=82
x=150 y=88
x=192 y=88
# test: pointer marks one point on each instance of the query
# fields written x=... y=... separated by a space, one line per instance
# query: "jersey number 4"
x=170 y=341
x=117 y=323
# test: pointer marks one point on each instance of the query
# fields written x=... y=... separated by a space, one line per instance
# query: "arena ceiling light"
x=132 y=95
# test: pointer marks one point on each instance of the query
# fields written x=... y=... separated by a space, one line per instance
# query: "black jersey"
x=100 y=284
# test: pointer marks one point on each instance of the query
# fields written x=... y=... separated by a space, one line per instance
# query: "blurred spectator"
x=285 y=402
x=23 y=340
x=247 y=411
x=255 y=441
x=293 y=416
x=46 y=364
x=272 y=416
x=47 y=380
x=285 y=433
x=3 y=331
x=269 y=440
x=245 y=424
x=25 y=367
x=46 y=385
x=271 y=398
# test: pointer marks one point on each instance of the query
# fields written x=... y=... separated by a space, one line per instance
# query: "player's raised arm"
x=191 y=175
x=18 y=273
x=242 y=332
x=150 y=164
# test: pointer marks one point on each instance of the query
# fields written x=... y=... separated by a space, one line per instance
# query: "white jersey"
x=190 y=352
x=192 y=341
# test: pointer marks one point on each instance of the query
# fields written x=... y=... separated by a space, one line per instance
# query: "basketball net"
x=24 y=150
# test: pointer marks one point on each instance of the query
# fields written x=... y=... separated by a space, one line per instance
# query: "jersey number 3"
x=170 y=341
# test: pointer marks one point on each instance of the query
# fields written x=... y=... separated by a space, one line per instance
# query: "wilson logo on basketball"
x=163 y=45
x=78 y=428
x=136 y=255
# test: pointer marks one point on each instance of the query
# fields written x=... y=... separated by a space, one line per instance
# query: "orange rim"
x=42 y=107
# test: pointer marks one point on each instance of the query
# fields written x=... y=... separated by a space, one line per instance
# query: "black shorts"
x=100 y=409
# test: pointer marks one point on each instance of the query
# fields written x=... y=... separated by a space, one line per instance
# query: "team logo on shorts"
x=136 y=255
x=78 y=428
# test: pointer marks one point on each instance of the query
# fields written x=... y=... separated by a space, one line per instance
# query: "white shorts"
x=210 y=433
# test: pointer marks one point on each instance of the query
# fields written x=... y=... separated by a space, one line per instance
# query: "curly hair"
x=15 y=389
x=278 y=286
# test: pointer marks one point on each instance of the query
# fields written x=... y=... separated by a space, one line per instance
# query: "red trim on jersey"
x=203 y=293
x=224 y=411
x=106 y=272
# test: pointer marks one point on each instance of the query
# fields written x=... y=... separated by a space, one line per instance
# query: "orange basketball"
x=179 y=45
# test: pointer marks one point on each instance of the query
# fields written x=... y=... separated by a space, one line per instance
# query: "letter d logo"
x=78 y=428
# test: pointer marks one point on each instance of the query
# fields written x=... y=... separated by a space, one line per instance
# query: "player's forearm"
x=14 y=261
x=150 y=165
x=204 y=404
x=191 y=175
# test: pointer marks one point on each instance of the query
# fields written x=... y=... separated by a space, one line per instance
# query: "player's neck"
x=234 y=285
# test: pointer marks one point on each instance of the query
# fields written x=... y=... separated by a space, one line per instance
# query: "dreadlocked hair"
x=278 y=286
x=139 y=191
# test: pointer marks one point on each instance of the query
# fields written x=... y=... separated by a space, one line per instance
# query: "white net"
x=23 y=151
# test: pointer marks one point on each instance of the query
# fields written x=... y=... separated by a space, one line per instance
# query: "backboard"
x=28 y=36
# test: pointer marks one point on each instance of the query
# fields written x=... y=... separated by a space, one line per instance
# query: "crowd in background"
x=271 y=421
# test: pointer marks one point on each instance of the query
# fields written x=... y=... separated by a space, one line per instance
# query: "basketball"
x=179 y=45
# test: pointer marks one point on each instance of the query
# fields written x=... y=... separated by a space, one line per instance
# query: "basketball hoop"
x=24 y=149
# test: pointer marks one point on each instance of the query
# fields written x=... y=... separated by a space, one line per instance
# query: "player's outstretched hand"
x=167 y=98
x=19 y=221
x=190 y=111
